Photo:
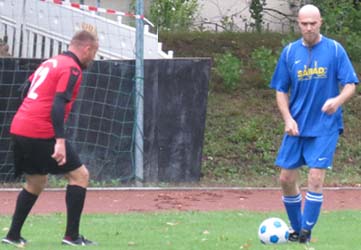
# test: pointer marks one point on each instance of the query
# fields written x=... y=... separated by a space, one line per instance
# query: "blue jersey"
x=311 y=76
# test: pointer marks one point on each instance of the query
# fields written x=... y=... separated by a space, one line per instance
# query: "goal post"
x=139 y=81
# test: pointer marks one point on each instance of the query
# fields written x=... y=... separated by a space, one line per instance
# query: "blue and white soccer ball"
x=273 y=231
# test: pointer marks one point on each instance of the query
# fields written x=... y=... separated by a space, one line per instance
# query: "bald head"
x=310 y=21
x=309 y=10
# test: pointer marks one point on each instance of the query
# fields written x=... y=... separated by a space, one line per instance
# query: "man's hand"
x=330 y=106
x=291 y=127
x=59 y=151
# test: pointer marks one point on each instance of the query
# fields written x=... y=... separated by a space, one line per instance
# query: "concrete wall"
x=212 y=12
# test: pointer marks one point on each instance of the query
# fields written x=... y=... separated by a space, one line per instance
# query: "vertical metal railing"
x=139 y=76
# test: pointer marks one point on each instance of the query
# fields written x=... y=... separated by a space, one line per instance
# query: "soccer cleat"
x=305 y=236
x=18 y=243
x=293 y=236
x=80 y=241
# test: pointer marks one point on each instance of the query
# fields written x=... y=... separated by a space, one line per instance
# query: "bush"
x=264 y=59
x=343 y=19
x=229 y=68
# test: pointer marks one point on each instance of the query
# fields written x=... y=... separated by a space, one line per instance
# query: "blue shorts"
x=315 y=152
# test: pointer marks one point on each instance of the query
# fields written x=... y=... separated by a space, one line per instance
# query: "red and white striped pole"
x=98 y=10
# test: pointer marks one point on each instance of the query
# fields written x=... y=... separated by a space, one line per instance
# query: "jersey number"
x=39 y=77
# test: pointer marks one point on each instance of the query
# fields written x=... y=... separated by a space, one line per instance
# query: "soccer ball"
x=273 y=231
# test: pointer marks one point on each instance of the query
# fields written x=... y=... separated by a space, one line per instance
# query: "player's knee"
x=315 y=180
x=35 y=188
x=286 y=180
x=85 y=173
x=35 y=184
x=79 y=177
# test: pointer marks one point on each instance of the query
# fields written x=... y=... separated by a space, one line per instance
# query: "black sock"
x=24 y=203
x=74 y=198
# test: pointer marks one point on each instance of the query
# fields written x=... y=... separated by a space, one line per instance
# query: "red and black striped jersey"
x=59 y=75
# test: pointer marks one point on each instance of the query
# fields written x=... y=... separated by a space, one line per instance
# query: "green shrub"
x=229 y=68
x=353 y=46
x=265 y=61
x=342 y=18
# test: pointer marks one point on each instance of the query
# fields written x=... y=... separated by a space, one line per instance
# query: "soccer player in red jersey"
x=39 y=144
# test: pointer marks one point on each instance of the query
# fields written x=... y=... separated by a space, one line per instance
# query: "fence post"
x=139 y=101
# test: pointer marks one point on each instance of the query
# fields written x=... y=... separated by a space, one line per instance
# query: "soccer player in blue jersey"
x=312 y=79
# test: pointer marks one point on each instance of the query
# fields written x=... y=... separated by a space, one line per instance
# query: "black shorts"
x=33 y=156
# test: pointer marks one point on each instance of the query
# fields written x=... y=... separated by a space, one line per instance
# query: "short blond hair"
x=83 y=37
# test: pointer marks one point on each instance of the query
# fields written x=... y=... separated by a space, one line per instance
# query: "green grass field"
x=185 y=231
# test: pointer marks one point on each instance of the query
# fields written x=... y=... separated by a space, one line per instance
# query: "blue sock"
x=293 y=208
x=311 y=210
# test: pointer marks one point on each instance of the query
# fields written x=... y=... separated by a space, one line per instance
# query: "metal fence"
x=41 y=29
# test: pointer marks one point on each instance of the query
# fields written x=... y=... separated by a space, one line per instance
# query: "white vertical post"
x=139 y=101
